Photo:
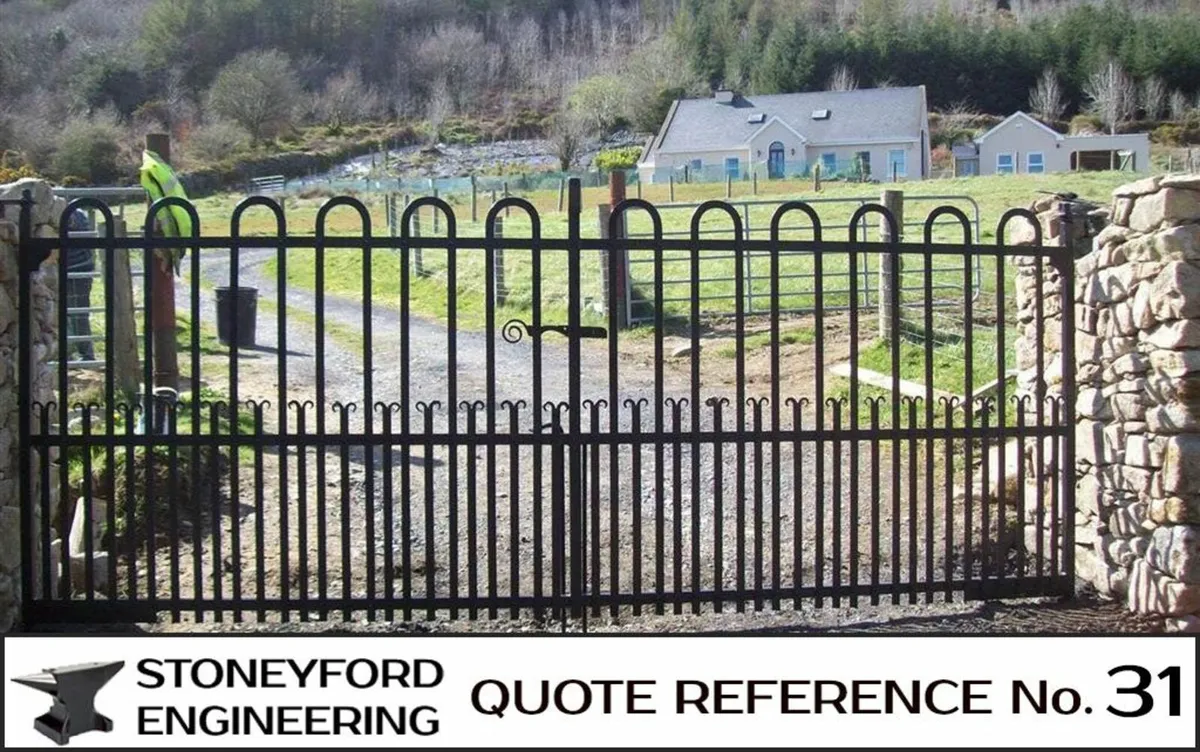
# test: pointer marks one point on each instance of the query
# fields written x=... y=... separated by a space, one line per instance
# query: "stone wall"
x=1137 y=366
x=44 y=286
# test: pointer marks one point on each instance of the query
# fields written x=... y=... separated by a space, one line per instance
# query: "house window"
x=1035 y=163
x=897 y=163
x=697 y=165
x=1004 y=164
x=828 y=163
x=733 y=167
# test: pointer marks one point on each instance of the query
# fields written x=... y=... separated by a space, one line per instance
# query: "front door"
x=776 y=163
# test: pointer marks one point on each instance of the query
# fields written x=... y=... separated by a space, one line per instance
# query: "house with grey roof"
x=866 y=133
x=1022 y=144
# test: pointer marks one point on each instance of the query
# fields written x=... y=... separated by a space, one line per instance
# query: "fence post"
x=474 y=201
x=163 y=326
x=754 y=184
x=817 y=178
x=728 y=186
x=124 y=348
x=890 y=266
x=687 y=178
x=506 y=209
x=437 y=218
x=418 y=262
x=671 y=178
x=562 y=193
x=498 y=270
x=615 y=288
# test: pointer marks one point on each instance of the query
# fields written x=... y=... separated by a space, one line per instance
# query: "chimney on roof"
x=724 y=96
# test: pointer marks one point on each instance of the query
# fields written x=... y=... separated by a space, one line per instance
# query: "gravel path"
x=437 y=543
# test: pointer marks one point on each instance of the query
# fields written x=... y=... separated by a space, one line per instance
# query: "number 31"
x=1144 y=679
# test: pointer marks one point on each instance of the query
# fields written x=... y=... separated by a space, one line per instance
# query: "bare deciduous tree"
x=346 y=99
x=258 y=91
x=843 y=79
x=1179 y=105
x=1153 y=97
x=1046 y=98
x=568 y=134
x=1112 y=95
x=439 y=107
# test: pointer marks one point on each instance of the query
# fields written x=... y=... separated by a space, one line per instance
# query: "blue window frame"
x=1035 y=163
x=1004 y=164
x=828 y=163
x=697 y=165
x=733 y=167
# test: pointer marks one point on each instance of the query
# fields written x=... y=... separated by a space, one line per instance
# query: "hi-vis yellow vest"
x=159 y=181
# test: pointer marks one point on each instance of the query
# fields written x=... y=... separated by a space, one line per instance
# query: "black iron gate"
x=398 y=445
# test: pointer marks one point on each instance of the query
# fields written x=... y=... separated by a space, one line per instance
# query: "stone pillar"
x=44 y=297
x=1137 y=366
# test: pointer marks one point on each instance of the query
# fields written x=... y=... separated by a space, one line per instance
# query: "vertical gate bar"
x=1066 y=419
x=695 y=398
x=760 y=514
x=574 y=297
x=718 y=506
x=234 y=445
x=430 y=563
x=260 y=543
x=197 y=426
x=48 y=575
x=557 y=514
x=389 y=522
x=131 y=520
x=797 y=509
x=875 y=511
x=969 y=411
x=472 y=516
x=64 y=414
x=301 y=522
x=1019 y=502
x=1055 y=519
x=636 y=503
x=281 y=277
x=928 y=443
x=616 y=306
x=344 y=456
x=659 y=427
x=985 y=518
x=913 y=583
x=25 y=262
x=739 y=283
x=214 y=468
x=406 y=437
x=677 y=506
x=514 y=511
x=776 y=406
x=853 y=529
x=368 y=412
x=452 y=406
x=1001 y=420
x=819 y=403
x=836 y=574
x=594 y=483
x=89 y=545
x=536 y=418
x=322 y=564
x=173 y=469
x=110 y=407
x=948 y=537
x=855 y=395
x=893 y=302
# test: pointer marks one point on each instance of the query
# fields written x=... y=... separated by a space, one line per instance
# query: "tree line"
x=83 y=80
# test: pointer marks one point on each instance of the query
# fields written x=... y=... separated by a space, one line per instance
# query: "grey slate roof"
x=862 y=115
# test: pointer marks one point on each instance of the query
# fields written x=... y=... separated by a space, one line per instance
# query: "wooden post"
x=498 y=271
x=616 y=196
x=506 y=209
x=124 y=347
x=817 y=178
x=493 y=197
x=437 y=215
x=890 y=266
x=639 y=187
x=672 y=180
x=754 y=184
x=474 y=201
x=728 y=186
x=687 y=174
x=562 y=193
x=418 y=262
x=162 y=315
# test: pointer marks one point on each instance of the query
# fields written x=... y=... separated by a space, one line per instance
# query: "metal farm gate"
x=409 y=450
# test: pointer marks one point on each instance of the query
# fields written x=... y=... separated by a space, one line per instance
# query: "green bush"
x=90 y=149
x=1086 y=123
x=618 y=159
x=217 y=140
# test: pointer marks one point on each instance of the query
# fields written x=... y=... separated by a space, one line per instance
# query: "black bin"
x=240 y=304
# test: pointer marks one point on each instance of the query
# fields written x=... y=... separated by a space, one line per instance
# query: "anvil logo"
x=74 y=691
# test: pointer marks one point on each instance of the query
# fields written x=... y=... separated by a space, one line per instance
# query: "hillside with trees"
x=81 y=81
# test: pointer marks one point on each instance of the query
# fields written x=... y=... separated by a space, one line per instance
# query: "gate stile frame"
x=576 y=555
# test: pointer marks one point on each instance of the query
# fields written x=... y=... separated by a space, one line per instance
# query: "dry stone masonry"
x=44 y=292
x=1137 y=366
